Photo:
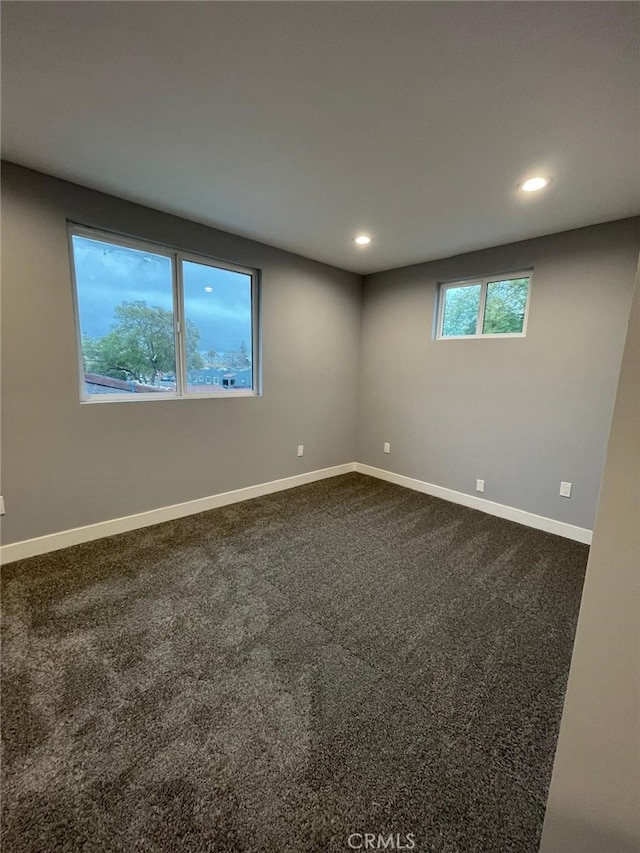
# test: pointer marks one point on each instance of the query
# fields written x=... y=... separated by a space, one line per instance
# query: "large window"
x=493 y=306
x=156 y=323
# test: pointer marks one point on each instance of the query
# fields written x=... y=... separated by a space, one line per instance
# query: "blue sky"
x=217 y=301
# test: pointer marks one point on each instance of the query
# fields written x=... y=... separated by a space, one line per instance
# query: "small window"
x=494 y=306
x=150 y=318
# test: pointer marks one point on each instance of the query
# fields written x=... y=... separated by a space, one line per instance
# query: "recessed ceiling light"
x=532 y=185
x=209 y=289
x=362 y=240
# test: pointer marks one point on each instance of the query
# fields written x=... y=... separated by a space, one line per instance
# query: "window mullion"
x=256 y=359
x=442 y=291
x=483 y=300
x=180 y=330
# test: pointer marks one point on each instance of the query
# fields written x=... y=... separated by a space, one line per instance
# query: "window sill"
x=481 y=337
x=159 y=398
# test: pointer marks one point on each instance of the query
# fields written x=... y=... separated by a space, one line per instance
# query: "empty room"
x=320 y=484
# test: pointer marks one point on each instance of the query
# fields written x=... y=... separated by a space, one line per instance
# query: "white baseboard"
x=540 y=522
x=65 y=538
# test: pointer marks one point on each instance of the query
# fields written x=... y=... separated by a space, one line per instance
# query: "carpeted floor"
x=279 y=675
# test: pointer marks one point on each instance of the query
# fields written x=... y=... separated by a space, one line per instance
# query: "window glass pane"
x=461 y=306
x=505 y=306
x=125 y=306
x=217 y=306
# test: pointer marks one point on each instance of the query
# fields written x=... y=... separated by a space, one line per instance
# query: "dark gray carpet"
x=345 y=657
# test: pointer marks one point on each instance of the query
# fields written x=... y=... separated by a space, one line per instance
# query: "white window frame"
x=483 y=281
x=177 y=256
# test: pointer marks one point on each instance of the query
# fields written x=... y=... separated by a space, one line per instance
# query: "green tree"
x=505 y=306
x=140 y=344
x=239 y=358
x=461 y=310
x=504 y=309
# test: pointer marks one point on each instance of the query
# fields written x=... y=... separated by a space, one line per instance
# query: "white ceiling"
x=301 y=124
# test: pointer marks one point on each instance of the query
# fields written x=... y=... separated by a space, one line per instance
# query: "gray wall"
x=520 y=413
x=66 y=465
x=594 y=801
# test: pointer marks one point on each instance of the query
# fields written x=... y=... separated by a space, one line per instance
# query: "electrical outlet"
x=301 y=450
x=479 y=485
x=387 y=447
x=565 y=490
x=1 y=505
